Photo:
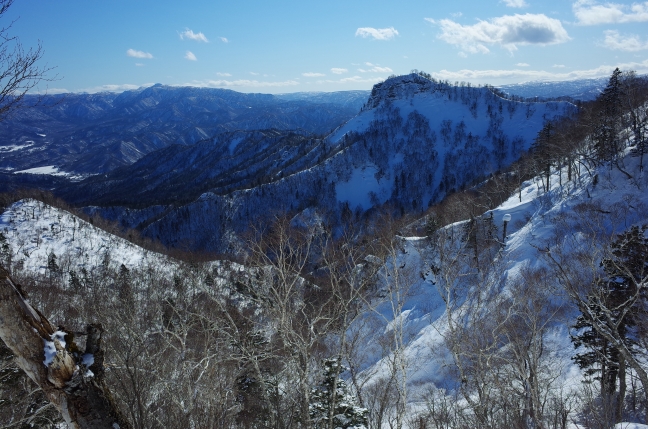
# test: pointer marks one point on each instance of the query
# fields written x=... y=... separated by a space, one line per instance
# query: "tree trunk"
x=77 y=391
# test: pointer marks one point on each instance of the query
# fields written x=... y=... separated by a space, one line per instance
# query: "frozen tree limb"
x=41 y=351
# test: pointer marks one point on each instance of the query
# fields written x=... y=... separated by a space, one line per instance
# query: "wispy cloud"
x=190 y=35
x=558 y=66
x=241 y=83
x=53 y=91
x=522 y=65
x=352 y=79
x=138 y=54
x=376 y=69
x=508 y=31
x=190 y=56
x=139 y=64
x=309 y=74
x=517 y=75
x=336 y=70
x=377 y=33
x=114 y=88
x=223 y=74
x=631 y=43
x=589 y=12
x=515 y=3
x=224 y=39
x=255 y=74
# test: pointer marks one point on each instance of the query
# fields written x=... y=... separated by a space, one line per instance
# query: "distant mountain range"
x=84 y=134
x=581 y=89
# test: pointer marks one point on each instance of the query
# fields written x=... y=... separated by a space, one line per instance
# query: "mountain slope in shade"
x=84 y=134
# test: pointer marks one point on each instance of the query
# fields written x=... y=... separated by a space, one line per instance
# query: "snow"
x=35 y=230
x=50 y=348
x=48 y=170
x=235 y=142
x=364 y=182
x=87 y=359
x=13 y=148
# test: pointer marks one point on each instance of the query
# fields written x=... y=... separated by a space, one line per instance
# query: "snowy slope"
x=538 y=219
x=456 y=128
x=35 y=230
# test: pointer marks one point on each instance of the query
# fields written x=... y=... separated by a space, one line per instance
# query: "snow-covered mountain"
x=414 y=141
x=579 y=89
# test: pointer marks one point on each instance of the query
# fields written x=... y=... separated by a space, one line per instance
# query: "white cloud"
x=589 y=12
x=558 y=66
x=613 y=40
x=254 y=74
x=114 y=88
x=223 y=74
x=522 y=65
x=353 y=79
x=515 y=3
x=241 y=83
x=190 y=35
x=376 y=69
x=336 y=70
x=507 y=31
x=138 y=54
x=53 y=91
x=224 y=40
x=190 y=56
x=519 y=75
x=456 y=15
x=313 y=74
x=377 y=33
x=139 y=64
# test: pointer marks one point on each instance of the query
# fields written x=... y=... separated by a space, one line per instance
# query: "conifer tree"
x=332 y=405
x=6 y=253
x=618 y=302
x=606 y=140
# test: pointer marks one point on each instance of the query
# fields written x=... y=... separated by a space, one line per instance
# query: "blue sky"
x=278 y=46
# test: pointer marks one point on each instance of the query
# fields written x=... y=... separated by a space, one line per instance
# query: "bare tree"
x=20 y=71
x=579 y=261
x=74 y=385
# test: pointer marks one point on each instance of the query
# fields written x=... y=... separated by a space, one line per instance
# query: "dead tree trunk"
x=72 y=381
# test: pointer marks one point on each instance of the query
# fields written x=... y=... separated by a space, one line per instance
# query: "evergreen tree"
x=332 y=405
x=6 y=252
x=124 y=287
x=618 y=302
x=606 y=140
x=75 y=282
x=52 y=264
